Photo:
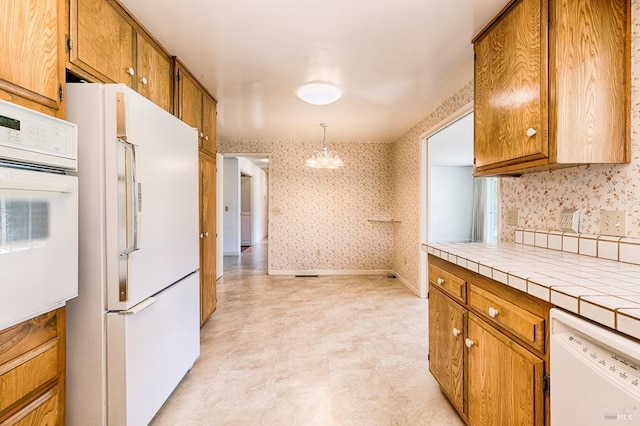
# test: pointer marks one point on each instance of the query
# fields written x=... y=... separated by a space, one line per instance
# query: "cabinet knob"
x=206 y=234
x=456 y=332
x=206 y=137
x=493 y=312
x=440 y=281
x=200 y=134
x=468 y=342
x=143 y=80
x=531 y=131
x=131 y=71
x=201 y=235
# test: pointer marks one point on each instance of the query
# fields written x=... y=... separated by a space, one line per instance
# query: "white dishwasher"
x=595 y=374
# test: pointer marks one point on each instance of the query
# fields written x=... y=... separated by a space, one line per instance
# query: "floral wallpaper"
x=406 y=187
x=539 y=197
x=318 y=219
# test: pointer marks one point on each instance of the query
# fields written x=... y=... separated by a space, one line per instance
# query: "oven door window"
x=23 y=221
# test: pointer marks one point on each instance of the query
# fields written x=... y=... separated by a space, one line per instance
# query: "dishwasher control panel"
x=620 y=369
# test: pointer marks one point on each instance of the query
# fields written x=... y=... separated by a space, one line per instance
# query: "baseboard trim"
x=328 y=272
x=407 y=284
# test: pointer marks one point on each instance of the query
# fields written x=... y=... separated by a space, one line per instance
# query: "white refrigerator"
x=133 y=331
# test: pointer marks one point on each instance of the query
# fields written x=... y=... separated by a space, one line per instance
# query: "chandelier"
x=324 y=159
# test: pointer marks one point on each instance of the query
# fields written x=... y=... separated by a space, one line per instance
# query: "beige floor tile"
x=342 y=350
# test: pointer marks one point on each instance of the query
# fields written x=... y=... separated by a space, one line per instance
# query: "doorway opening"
x=455 y=205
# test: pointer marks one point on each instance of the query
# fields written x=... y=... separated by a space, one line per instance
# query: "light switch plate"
x=613 y=223
x=512 y=217
x=570 y=220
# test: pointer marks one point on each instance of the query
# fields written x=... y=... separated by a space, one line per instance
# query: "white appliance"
x=133 y=332
x=38 y=214
x=595 y=374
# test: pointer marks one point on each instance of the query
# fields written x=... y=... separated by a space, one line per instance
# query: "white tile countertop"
x=605 y=291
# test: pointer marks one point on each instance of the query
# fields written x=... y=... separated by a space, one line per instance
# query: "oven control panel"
x=29 y=137
x=620 y=369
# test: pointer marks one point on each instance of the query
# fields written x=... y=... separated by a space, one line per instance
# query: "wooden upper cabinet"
x=510 y=88
x=108 y=45
x=196 y=107
x=32 y=51
x=101 y=42
x=552 y=86
x=154 y=73
x=208 y=140
x=189 y=100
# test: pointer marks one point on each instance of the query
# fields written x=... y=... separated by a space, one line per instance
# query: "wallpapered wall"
x=540 y=197
x=318 y=218
x=406 y=187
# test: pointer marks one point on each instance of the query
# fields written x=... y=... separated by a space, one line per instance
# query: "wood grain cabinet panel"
x=488 y=353
x=552 y=86
x=208 y=297
x=155 y=74
x=449 y=283
x=101 y=41
x=447 y=325
x=197 y=108
x=32 y=51
x=32 y=371
x=505 y=380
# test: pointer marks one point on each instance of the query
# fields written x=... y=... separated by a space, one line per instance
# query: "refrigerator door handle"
x=139 y=307
x=128 y=206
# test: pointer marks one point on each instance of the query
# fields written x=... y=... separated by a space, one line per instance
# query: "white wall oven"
x=38 y=213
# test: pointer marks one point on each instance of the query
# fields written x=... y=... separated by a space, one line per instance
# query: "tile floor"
x=347 y=350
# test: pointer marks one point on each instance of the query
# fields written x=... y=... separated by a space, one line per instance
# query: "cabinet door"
x=155 y=81
x=208 y=141
x=189 y=101
x=510 y=88
x=446 y=345
x=102 y=41
x=505 y=380
x=208 y=236
x=32 y=51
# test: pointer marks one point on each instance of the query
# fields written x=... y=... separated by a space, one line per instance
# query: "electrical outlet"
x=570 y=220
x=613 y=223
x=512 y=217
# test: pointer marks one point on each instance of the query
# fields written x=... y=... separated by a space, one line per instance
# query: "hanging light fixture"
x=324 y=159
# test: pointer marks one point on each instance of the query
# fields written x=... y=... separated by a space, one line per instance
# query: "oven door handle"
x=25 y=185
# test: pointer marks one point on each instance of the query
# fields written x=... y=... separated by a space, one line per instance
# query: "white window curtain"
x=484 y=225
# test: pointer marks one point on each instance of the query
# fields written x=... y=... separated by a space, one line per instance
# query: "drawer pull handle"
x=531 y=131
x=468 y=342
x=456 y=332
x=493 y=312
x=440 y=281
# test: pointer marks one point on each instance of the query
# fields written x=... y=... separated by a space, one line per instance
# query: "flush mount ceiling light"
x=324 y=159
x=319 y=92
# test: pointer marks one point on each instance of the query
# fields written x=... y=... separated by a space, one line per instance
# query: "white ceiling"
x=395 y=60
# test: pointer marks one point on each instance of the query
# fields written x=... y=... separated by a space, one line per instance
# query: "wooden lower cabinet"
x=447 y=321
x=505 y=380
x=488 y=348
x=32 y=371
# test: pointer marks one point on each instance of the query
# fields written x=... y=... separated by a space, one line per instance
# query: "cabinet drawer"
x=27 y=373
x=28 y=335
x=449 y=283
x=517 y=320
x=42 y=411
